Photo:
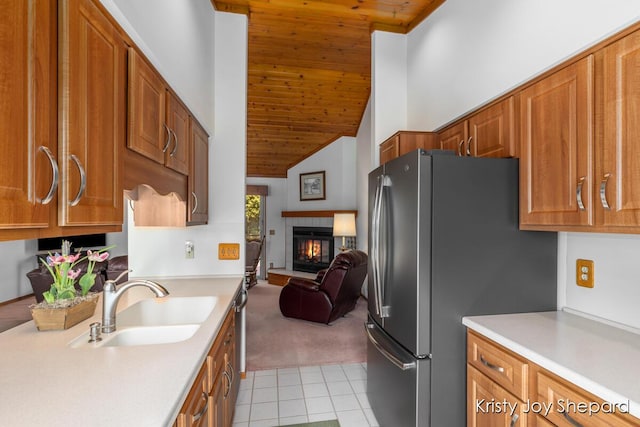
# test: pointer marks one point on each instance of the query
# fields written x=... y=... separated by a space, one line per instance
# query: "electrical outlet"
x=272 y=232
x=229 y=251
x=584 y=273
x=188 y=250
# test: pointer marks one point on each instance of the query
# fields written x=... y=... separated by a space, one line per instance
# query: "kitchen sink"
x=167 y=311
x=144 y=335
x=154 y=321
x=151 y=335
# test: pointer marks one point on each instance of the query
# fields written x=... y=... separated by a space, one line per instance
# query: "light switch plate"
x=584 y=273
x=188 y=250
x=229 y=251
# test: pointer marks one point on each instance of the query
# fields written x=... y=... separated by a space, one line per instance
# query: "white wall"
x=177 y=37
x=338 y=160
x=616 y=291
x=469 y=52
x=388 y=85
x=203 y=57
x=275 y=203
x=365 y=159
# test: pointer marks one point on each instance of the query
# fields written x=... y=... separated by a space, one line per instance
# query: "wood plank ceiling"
x=309 y=66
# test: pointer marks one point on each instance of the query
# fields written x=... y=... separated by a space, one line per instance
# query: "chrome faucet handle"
x=94 y=332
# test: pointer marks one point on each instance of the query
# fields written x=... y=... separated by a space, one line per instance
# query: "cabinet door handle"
x=460 y=147
x=491 y=365
x=175 y=147
x=603 y=191
x=228 y=389
x=571 y=420
x=514 y=420
x=469 y=146
x=54 y=178
x=195 y=202
x=203 y=411
x=83 y=181
x=579 y=193
x=231 y=373
x=166 y=145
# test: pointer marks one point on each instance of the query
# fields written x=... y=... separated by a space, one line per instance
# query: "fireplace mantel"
x=315 y=214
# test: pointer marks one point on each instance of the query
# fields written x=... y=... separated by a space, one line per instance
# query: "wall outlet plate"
x=584 y=273
x=229 y=251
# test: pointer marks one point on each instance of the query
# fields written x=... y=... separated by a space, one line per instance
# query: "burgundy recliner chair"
x=332 y=294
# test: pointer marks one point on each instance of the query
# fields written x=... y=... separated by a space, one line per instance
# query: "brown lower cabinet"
x=198 y=408
x=505 y=389
x=212 y=397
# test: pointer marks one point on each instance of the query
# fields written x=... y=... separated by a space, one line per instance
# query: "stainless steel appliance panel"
x=240 y=303
x=398 y=383
x=400 y=234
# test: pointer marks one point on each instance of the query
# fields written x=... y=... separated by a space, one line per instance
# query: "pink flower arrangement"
x=61 y=267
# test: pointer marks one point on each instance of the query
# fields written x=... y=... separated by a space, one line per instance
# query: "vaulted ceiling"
x=309 y=66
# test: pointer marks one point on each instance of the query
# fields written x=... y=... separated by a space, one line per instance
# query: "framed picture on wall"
x=312 y=186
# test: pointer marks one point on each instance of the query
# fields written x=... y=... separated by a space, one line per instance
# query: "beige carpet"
x=275 y=341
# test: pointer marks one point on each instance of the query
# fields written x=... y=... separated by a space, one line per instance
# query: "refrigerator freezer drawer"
x=395 y=354
x=397 y=383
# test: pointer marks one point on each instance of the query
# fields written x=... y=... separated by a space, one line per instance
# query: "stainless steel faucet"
x=111 y=296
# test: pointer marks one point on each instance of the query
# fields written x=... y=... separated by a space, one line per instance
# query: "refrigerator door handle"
x=375 y=245
x=377 y=265
x=393 y=357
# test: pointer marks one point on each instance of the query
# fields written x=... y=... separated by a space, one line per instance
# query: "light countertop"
x=601 y=358
x=44 y=382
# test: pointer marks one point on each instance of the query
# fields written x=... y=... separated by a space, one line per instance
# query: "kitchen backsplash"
x=616 y=293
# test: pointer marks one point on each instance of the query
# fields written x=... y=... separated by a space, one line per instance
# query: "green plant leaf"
x=48 y=297
x=67 y=294
x=86 y=282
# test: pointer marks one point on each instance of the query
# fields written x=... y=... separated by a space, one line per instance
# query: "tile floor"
x=280 y=397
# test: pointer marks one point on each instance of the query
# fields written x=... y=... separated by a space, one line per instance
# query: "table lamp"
x=344 y=224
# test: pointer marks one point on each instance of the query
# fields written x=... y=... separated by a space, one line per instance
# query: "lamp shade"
x=344 y=224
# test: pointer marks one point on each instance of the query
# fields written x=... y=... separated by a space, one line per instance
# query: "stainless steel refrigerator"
x=443 y=243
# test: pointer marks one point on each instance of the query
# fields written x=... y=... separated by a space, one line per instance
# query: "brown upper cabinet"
x=405 y=141
x=158 y=121
x=148 y=133
x=177 y=156
x=488 y=133
x=198 y=206
x=454 y=137
x=92 y=114
x=617 y=169
x=28 y=166
x=63 y=115
x=580 y=166
x=556 y=121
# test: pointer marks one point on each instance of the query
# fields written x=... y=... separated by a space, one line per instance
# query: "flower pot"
x=49 y=318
